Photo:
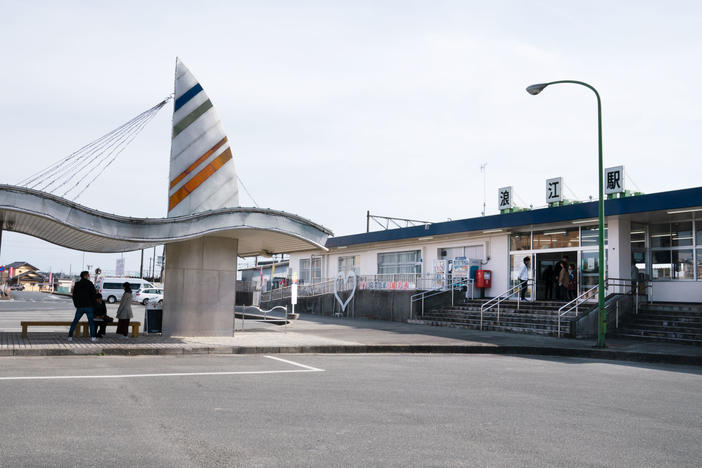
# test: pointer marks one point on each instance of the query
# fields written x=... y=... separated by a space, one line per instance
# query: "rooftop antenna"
x=483 y=169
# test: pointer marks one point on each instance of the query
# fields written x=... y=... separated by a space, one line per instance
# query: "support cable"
x=97 y=155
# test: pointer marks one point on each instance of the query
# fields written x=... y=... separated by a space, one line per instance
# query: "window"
x=349 y=263
x=672 y=253
x=400 y=262
x=660 y=235
x=311 y=270
x=520 y=241
x=590 y=236
x=683 y=265
x=660 y=264
x=638 y=236
x=681 y=233
x=316 y=269
x=699 y=263
x=305 y=271
x=557 y=238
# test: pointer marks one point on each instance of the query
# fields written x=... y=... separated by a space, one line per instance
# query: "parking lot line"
x=310 y=368
x=303 y=369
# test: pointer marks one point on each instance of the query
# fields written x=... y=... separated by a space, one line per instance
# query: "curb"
x=603 y=354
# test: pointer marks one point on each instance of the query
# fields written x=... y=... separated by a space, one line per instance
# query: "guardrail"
x=497 y=300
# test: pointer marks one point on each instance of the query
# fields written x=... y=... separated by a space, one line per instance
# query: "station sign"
x=614 y=180
x=554 y=190
x=504 y=198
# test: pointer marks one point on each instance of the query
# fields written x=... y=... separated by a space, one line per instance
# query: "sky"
x=336 y=108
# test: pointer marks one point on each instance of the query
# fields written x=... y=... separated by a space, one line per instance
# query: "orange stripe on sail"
x=192 y=167
x=199 y=178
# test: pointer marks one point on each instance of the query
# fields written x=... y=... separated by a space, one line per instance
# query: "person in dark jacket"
x=100 y=316
x=84 y=300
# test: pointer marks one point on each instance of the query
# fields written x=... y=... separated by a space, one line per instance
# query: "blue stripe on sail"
x=188 y=95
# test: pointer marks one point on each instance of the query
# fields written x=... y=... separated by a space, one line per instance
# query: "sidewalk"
x=314 y=334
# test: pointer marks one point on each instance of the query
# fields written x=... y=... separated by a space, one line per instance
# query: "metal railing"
x=613 y=285
x=382 y=282
x=497 y=300
x=456 y=283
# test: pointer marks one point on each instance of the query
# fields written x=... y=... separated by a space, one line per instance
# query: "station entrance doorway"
x=545 y=273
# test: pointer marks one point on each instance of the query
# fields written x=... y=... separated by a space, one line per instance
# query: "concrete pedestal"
x=199 y=289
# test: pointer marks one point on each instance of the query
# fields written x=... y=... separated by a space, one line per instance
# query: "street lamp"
x=602 y=312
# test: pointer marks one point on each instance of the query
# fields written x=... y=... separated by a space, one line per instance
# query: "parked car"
x=17 y=287
x=111 y=288
x=149 y=295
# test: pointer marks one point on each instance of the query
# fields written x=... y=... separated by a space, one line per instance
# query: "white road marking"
x=173 y=374
x=310 y=368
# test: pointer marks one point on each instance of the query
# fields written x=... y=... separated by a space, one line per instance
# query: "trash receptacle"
x=153 y=317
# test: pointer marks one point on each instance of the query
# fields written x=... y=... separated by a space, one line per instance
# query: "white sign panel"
x=504 y=198
x=119 y=267
x=554 y=190
x=614 y=179
x=293 y=295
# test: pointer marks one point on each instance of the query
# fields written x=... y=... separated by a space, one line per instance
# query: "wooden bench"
x=83 y=328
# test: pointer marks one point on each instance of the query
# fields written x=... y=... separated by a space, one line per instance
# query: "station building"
x=656 y=237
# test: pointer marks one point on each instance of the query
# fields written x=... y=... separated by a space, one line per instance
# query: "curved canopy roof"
x=68 y=224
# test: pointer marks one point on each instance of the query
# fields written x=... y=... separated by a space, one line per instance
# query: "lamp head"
x=536 y=88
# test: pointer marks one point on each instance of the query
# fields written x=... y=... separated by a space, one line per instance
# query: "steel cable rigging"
x=74 y=170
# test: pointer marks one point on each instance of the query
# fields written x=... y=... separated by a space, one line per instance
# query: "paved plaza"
x=347 y=410
x=310 y=334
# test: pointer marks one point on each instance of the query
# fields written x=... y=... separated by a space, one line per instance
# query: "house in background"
x=24 y=274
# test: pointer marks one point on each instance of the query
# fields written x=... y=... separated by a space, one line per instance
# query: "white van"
x=111 y=288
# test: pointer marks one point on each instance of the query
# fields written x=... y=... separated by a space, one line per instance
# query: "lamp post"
x=602 y=312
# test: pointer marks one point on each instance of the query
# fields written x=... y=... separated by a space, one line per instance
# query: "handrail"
x=497 y=300
x=455 y=282
x=592 y=292
x=576 y=302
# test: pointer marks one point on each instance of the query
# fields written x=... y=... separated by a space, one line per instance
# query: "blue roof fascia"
x=683 y=198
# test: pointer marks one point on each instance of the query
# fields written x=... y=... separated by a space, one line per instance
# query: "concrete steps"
x=532 y=318
x=669 y=322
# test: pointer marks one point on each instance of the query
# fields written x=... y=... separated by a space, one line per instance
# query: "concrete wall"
x=676 y=291
x=369 y=304
x=199 y=288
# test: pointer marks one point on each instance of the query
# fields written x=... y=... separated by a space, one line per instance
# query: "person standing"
x=563 y=282
x=548 y=282
x=572 y=282
x=124 y=311
x=84 y=301
x=524 y=277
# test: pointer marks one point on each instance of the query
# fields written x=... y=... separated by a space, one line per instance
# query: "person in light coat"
x=124 y=311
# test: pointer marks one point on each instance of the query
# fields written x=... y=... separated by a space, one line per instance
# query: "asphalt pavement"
x=348 y=410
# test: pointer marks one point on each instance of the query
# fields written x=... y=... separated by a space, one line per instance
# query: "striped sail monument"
x=202 y=174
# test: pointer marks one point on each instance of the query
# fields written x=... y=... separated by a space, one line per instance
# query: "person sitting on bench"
x=101 y=317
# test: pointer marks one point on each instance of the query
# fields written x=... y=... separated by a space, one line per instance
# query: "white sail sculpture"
x=202 y=175
x=205 y=230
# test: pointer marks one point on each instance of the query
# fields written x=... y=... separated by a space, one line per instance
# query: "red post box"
x=483 y=278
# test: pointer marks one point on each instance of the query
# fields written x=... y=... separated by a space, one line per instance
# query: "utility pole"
x=483 y=169
x=141 y=265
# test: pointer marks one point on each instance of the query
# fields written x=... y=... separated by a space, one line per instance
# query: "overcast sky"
x=335 y=108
